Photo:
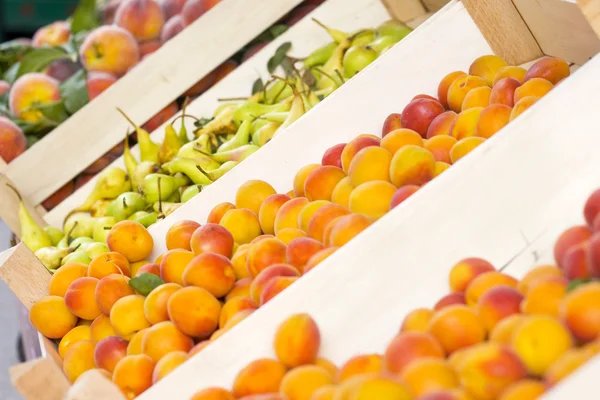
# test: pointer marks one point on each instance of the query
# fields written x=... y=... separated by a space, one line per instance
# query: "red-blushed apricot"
x=464 y=271
x=427 y=375
x=133 y=374
x=109 y=351
x=102 y=328
x=301 y=382
x=252 y=194
x=536 y=87
x=319 y=184
x=318 y=258
x=391 y=123
x=212 y=272
x=419 y=113
x=498 y=303
x=417 y=320
x=440 y=147
x=527 y=389
x=424 y=96
x=110 y=289
x=268 y=211
x=333 y=155
x=503 y=92
x=487 y=369
x=275 y=286
x=78 y=359
x=356 y=145
x=407 y=347
x=552 y=69
x=487 y=67
x=523 y=105
x=179 y=235
x=535 y=274
x=234 y=306
x=464 y=147
x=131 y=239
x=399 y=138
x=174 y=264
x=212 y=238
x=300 y=250
x=591 y=208
x=297 y=341
x=575 y=263
x=465 y=123
x=167 y=364
x=441 y=124
x=510 y=71
x=127 y=315
x=164 y=338
x=64 y=276
x=580 y=312
x=545 y=296
x=151 y=268
x=493 y=118
x=108 y=263
x=309 y=210
x=241 y=288
x=445 y=84
x=265 y=253
x=322 y=217
x=259 y=377
x=73 y=336
x=361 y=365
x=502 y=332
x=449 y=300
x=484 y=281
x=288 y=213
x=215 y=215
x=300 y=178
x=198 y=347
x=155 y=304
x=459 y=89
x=194 y=311
x=570 y=237
x=402 y=194
x=347 y=227
x=80 y=298
x=239 y=261
x=593 y=256
x=213 y=393
x=478 y=97
x=411 y=165
x=456 y=327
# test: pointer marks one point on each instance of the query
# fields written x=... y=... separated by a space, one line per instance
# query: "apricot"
x=300 y=178
x=445 y=84
x=266 y=252
x=194 y=311
x=522 y=106
x=308 y=211
x=569 y=238
x=356 y=145
x=493 y=118
x=234 y=306
x=440 y=147
x=417 y=320
x=510 y=71
x=441 y=125
x=427 y=375
x=504 y=91
x=239 y=261
x=32 y=90
x=326 y=392
x=155 y=304
x=216 y=214
x=164 y=338
x=322 y=217
x=419 y=114
x=300 y=250
x=127 y=315
x=527 y=389
x=110 y=289
x=459 y=89
x=268 y=211
x=213 y=393
x=373 y=386
x=465 y=123
x=109 y=351
x=212 y=272
x=484 y=281
x=464 y=147
x=498 y=303
x=167 y=364
x=317 y=258
x=215 y=238
x=288 y=234
x=407 y=347
x=252 y=194
x=108 y=263
x=319 y=184
x=259 y=377
x=593 y=256
x=135 y=343
x=347 y=228
x=297 y=340
x=411 y=165
x=391 y=123
x=579 y=311
x=301 y=382
x=75 y=335
x=133 y=374
x=179 y=234
x=545 y=296
x=64 y=276
x=456 y=327
x=464 y=271
x=399 y=138
x=110 y=49
x=333 y=155
x=591 y=208
x=243 y=225
x=12 y=139
x=275 y=286
x=102 y=328
x=502 y=332
x=131 y=239
x=370 y=164
x=80 y=298
x=487 y=67
x=78 y=359
x=487 y=369
x=478 y=97
x=151 y=268
x=402 y=194
x=552 y=69
x=341 y=192
x=361 y=365
x=174 y=264
x=536 y=87
x=537 y=273
x=449 y=300
x=54 y=34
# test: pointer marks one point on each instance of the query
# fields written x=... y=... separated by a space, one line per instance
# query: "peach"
x=487 y=67
x=55 y=34
x=131 y=239
x=575 y=263
x=308 y=211
x=110 y=289
x=536 y=87
x=110 y=49
x=146 y=49
x=456 y=327
x=459 y=89
x=399 y=138
x=143 y=18
x=526 y=389
x=133 y=374
x=102 y=328
x=407 y=347
x=391 y=123
x=449 y=300
x=194 y=311
x=498 y=303
x=275 y=286
x=539 y=341
x=155 y=304
x=419 y=114
x=319 y=184
x=259 y=377
x=173 y=265
x=167 y=364
x=440 y=147
x=478 y=97
x=333 y=155
x=427 y=375
x=545 y=295
x=510 y=71
x=164 y=338
x=411 y=165
x=241 y=288
x=78 y=359
x=361 y=365
x=213 y=238
x=98 y=82
x=402 y=194
x=417 y=320
x=297 y=341
x=64 y=276
x=347 y=228
x=180 y=233
x=266 y=275
x=107 y=264
x=12 y=140
x=569 y=238
x=522 y=106
x=300 y=250
x=323 y=217
x=171 y=8
x=504 y=91
x=80 y=298
x=300 y=178
x=265 y=253
x=492 y=118
x=301 y=382
x=213 y=393
x=484 y=281
x=488 y=369
x=318 y=258
x=341 y=192
x=225 y=69
x=239 y=262
x=356 y=145
x=242 y=223
x=424 y=96
x=535 y=274
x=552 y=69
x=268 y=212
x=127 y=315
x=233 y=306
x=194 y=9
x=464 y=147
x=252 y=194
x=465 y=123
x=579 y=311
x=445 y=84
x=212 y=272
x=76 y=334
x=109 y=351
x=216 y=214
x=31 y=90
x=441 y=124
x=4 y=87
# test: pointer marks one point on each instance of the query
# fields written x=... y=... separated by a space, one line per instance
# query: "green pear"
x=141 y=171
x=55 y=234
x=76 y=257
x=126 y=204
x=32 y=234
x=189 y=167
x=80 y=243
x=358 y=58
x=383 y=43
x=393 y=28
x=79 y=224
x=111 y=182
x=102 y=227
x=160 y=186
x=94 y=249
x=144 y=217
x=52 y=256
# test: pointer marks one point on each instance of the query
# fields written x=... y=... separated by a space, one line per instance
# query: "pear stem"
x=232 y=99
x=127 y=118
x=322 y=25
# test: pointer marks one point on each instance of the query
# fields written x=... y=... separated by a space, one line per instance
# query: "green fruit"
x=358 y=58
x=93 y=250
x=76 y=257
x=383 y=43
x=393 y=28
x=126 y=204
x=55 y=234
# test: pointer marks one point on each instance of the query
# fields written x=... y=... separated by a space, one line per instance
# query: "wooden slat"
x=40 y=379
x=145 y=90
x=591 y=10
x=94 y=386
x=10 y=205
x=504 y=29
x=560 y=29
x=405 y=10
x=434 y=5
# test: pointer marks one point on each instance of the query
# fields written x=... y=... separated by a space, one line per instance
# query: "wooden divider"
x=413 y=10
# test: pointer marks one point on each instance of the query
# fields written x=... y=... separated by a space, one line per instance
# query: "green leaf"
x=10 y=75
x=258 y=86
x=277 y=30
x=309 y=78
x=74 y=92
x=53 y=112
x=145 y=283
x=278 y=57
x=576 y=283
x=288 y=66
x=85 y=17
x=40 y=58
x=201 y=122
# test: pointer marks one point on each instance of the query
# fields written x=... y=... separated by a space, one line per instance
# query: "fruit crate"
x=144 y=91
x=305 y=36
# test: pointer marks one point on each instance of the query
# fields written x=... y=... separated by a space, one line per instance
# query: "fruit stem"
x=16 y=191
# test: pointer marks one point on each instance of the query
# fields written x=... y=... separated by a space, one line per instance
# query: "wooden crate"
x=145 y=90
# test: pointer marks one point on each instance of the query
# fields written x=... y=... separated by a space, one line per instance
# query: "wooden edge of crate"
x=408 y=11
x=39 y=379
x=591 y=11
x=92 y=385
x=146 y=89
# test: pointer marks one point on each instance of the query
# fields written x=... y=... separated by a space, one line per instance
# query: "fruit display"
x=171 y=173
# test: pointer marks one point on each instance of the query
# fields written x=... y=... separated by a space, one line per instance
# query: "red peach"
x=419 y=114
x=332 y=155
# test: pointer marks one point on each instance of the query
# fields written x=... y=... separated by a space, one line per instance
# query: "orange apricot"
x=297 y=341
x=456 y=327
